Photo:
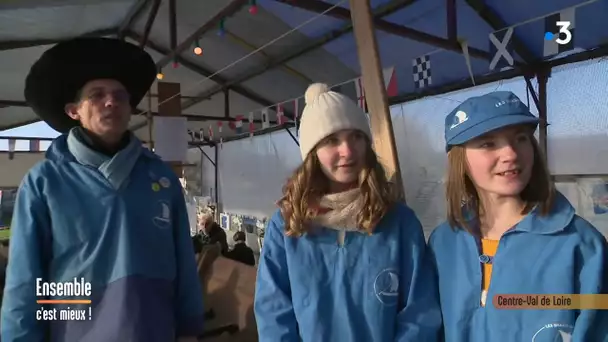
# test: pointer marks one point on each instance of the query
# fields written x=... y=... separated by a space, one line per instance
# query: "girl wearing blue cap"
x=342 y=259
x=509 y=232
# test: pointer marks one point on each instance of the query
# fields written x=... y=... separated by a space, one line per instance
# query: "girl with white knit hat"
x=343 y=260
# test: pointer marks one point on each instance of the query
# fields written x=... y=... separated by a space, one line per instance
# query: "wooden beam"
x=452 y=21
x=26 y=138
x=226 y=103
x=203 y=118
x=40 y=4
x=190 y=117
x=173 y=26
x=149 y=23
x=375 y=92
x=196 y=118
x=21 y=44
x=134 y=12
x=12 y=103
x=150 y=121
x=19 y=124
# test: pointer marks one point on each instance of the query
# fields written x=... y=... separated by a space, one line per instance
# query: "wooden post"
x=375 y=92
x=217 y=183
x=150 y=119
x=170 y=104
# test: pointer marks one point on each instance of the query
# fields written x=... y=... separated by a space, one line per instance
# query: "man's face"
x=207 y=222
x=103 y=108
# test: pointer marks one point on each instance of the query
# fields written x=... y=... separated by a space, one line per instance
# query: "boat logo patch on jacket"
x=386 y=287
x=554 y=332
x=162 y=218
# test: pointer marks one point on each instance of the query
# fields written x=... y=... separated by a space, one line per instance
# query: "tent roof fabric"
x=272 y=56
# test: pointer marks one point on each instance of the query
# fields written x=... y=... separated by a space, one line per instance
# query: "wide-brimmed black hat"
x=61 y=72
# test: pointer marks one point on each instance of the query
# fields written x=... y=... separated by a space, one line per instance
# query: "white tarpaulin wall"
x=13 y=170
x=252 y=171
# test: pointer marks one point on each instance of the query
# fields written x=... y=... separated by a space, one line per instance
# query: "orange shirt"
x=488 y=247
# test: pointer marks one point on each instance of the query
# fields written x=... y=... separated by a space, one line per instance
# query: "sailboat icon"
x=386 y=287
x=564 y=337
x=164 y=219
x=393 y=286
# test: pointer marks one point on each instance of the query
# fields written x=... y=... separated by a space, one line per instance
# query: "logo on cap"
x=459 y=118
x=504 y=102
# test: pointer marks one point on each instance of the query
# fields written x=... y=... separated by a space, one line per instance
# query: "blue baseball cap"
x=482 y=114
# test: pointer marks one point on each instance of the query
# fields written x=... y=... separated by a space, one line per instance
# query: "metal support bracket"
x=292 y=136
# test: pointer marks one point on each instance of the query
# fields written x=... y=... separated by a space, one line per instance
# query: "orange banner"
x=63 y=301
x=551 y=301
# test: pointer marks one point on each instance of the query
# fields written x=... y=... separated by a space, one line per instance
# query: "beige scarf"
x=344 y=209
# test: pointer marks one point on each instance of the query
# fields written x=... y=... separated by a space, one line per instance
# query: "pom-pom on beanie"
x=327 y=112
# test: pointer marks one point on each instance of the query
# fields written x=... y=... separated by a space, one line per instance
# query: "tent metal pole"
x=217 y=196
x=292 y=136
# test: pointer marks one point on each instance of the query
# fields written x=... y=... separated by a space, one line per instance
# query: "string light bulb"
x=159 y=76
x=253 y=7
x=220 y=31
x=197 y=49
x=175 y=65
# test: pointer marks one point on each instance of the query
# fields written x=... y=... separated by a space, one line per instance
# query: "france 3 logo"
x=563 y=36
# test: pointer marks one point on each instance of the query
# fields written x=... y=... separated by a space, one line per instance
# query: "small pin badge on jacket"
x=155 y=187
x=164 y=182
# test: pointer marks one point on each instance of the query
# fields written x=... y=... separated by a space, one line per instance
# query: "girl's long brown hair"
x=308 y=184
x=462 y=196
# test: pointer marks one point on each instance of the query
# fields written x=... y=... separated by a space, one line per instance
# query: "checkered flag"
x=422 y=71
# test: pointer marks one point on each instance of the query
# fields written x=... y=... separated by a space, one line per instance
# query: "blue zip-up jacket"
x=334 y=285
x=133 y=245
x=556 y=254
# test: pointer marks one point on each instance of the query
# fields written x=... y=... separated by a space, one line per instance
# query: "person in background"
x=241 y=252
x=99 y=208
x=212 y=233
x=509 y=231
x=343 y=259
x=197 y=243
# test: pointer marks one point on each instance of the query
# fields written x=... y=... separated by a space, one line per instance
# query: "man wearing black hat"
x=101 y=212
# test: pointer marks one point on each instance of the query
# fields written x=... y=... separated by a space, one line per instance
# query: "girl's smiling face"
x=500 y=163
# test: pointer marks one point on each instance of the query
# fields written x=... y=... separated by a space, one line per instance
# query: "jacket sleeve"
x=29 y=245
x=223 y=239
x=272 y=305
x=592 y=325
x=189 y=308
x=420 y=316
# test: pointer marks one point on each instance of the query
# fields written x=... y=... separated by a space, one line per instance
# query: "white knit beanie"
x=327 y=112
